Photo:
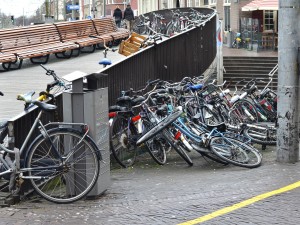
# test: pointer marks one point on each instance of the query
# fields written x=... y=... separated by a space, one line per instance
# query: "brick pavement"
x=175 y=193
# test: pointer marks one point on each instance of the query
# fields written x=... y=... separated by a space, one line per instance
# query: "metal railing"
x=187 y=54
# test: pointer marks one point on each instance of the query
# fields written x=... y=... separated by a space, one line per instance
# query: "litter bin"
x=87 y=102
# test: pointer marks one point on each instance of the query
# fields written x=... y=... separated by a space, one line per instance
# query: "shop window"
x=269 y=18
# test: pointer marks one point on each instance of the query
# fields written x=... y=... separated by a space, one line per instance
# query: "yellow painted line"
x=241 y=204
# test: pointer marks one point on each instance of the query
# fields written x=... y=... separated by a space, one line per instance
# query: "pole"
x=73 y=11
x=288 y=82
x=219 y=52
x=93 y=9
x=81 y=14
x=104 y=8
x=23 y=18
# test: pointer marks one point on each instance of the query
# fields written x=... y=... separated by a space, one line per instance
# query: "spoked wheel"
x=271 y=97
x=121 y=145
x=155 y=147
x=236 y=152
x=177 y=147
x=261 y=134
x=64 y=167
x=245 y=111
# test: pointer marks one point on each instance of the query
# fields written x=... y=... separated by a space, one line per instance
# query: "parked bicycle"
x=62 y=162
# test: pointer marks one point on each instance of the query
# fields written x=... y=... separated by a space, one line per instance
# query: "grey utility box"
x=90 y=105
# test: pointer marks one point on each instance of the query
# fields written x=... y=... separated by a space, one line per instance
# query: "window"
x=226 y=2
x=227 y=18
x=269 y=19
x=206 y=2
x=212 y=2
x=197 y=3
x=189 y=3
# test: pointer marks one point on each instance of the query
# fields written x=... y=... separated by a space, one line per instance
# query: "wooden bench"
x=81 y=32
x=34 y=42
x=107 y=29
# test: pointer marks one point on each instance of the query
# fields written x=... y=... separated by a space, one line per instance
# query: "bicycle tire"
x=210 y=117
x=271 y=97
x=235 y=152
x=154 y=146
x=177 y=147
x=245 y=111
x=75 y=156
x=260 y=136
x=123 y=151
x=159 y=127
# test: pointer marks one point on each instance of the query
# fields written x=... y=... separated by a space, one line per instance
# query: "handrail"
x=274 y=70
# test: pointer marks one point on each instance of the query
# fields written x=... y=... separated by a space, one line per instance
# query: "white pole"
x=219 y=52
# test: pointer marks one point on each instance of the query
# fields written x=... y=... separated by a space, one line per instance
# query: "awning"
x=261 y=5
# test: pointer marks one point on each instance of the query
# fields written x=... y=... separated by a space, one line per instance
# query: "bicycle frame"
x=16 y=164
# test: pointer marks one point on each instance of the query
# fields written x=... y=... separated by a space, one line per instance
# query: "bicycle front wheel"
x=245 y=111
x=261 y=134
x=155 y=147
x=235 y=152
x=159 y=127
x=64 y=167
x=121 y=145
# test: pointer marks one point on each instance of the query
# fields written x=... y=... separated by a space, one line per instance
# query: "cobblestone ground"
x=175 y=193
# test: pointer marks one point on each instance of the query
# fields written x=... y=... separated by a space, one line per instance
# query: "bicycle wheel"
x=261 y=135
x=155 y=147
x=235 y=152
x=271 y=97
x=121 y=145
x=177 y=147
x=64 y=166
x=245 y=111
x=159 y=127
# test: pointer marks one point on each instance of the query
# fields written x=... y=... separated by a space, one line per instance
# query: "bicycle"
x=62 y=162
x=219 y=147
x=127 y=126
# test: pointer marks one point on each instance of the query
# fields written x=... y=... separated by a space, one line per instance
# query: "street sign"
x=73 y=7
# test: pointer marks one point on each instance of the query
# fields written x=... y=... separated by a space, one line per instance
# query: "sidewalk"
x=175 y=193
x=247 y=53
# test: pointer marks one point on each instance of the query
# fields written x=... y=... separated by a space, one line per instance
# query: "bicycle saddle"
x=26 y=97
x=44 y=106
x=196 y=87
x=116 y=108
x=138 y=100
x=105 y=61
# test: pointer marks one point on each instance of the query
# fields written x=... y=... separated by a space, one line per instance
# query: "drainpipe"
x=288 y=81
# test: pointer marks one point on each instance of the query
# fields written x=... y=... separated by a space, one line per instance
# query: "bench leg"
x=43 y=61
x=12 y=65
x=6 y=66
x=63 y=55
x=93 y=48
x=77 y=52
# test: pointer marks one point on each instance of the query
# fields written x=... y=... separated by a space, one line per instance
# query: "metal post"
x=219 y=52
x=104 y=8
x=73 y=11
x=288 y=82
x=93 y=9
